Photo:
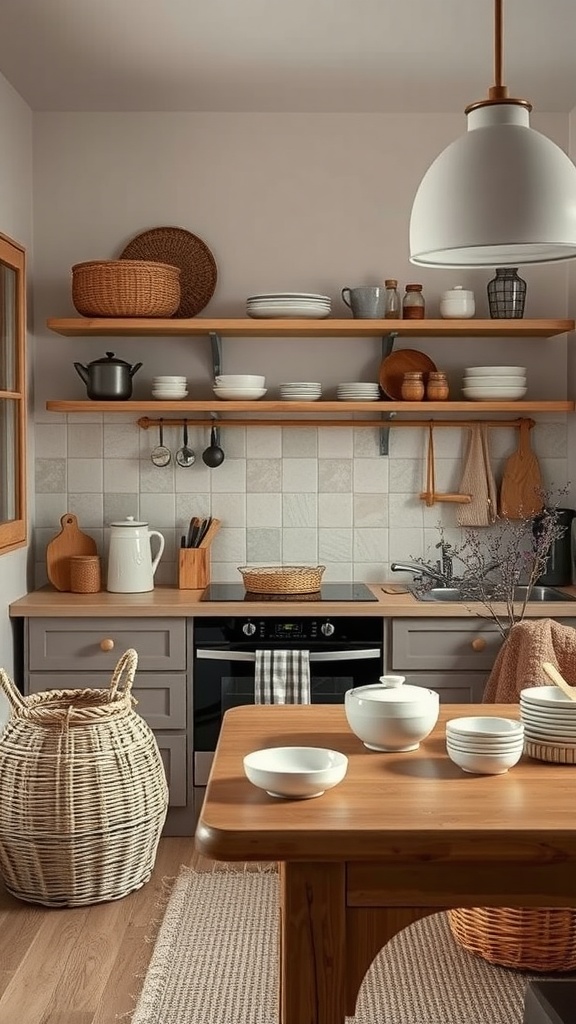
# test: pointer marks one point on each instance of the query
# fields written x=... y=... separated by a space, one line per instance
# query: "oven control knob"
x=327 y=629
x=248 y=629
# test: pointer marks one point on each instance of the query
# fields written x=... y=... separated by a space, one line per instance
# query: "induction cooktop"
x=327 y=592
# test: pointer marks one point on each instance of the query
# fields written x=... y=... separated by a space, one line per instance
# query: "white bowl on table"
x=479 y=763
x=390 y=716
x=297 y=773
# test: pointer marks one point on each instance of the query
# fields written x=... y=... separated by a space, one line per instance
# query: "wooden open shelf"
x=313 y=408
x=82 y=327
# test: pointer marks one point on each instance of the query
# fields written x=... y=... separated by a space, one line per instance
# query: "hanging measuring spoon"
x=161 y=455
x=185 y=456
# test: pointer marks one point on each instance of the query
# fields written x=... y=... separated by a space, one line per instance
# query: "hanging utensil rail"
x=145 y=422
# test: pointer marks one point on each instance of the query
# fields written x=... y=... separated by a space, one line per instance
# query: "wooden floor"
x=83 y=965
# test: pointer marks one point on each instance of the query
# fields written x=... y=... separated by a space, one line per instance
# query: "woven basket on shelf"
x=125 y=288
x=282 y=579
x=83 y=793
x=528 y=938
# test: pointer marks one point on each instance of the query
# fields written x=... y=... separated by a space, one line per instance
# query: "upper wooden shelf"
x=82 y=327
x=316 y=408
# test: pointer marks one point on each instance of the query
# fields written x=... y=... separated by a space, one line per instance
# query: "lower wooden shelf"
x=209 y=405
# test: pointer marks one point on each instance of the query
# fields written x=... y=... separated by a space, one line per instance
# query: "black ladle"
x=213 y=456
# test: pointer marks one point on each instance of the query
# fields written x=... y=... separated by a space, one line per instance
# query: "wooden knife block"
x=194 y=563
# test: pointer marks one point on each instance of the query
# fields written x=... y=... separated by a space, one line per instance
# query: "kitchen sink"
x=444 y=594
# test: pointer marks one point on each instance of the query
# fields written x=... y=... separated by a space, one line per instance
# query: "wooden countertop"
x=172 y=602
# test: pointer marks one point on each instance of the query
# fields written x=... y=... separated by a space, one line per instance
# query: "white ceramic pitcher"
x=131 y=567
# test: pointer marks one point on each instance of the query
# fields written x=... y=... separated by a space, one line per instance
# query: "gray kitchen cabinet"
x=452 y=656
x=68 y=653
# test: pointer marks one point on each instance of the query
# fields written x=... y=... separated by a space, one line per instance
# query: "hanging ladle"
x=161 y=455
x=213 y=455
x=185 y=456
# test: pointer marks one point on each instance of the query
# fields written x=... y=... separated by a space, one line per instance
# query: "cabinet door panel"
x=172 y=748
x=161 y=698
x=75 y=644
x=437 y=644
x=453 y=687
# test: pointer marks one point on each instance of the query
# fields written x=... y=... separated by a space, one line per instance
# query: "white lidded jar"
x=457 y=303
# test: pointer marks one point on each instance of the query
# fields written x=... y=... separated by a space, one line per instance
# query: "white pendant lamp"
x=503 y=195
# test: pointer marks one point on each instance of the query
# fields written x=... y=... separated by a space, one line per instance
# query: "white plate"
x=549 y=697
x=288 y=313
x=495 y=371
x=240 y=394
x=288 y=295
x=494 y=394
x=494 y=382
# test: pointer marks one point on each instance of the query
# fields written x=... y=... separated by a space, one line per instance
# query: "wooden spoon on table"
x=558 y=679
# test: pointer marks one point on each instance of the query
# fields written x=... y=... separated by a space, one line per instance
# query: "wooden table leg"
x=312 y=943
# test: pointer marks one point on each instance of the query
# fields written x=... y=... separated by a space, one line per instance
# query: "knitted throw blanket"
x=519 y=660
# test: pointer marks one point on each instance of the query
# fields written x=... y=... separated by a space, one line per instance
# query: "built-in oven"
x=344 y=652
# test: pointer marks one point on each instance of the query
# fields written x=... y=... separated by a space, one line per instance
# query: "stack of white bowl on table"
x=169 y=388
x=300 y=391
x=243 y=387
x=549 y=718
x=494 y=383
x=483 y=745
x=358 y=391
x=298 y=305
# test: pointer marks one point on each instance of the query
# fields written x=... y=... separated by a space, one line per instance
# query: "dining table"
x=404 y=835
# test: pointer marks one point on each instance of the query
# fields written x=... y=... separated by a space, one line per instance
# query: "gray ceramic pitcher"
x=366 y=303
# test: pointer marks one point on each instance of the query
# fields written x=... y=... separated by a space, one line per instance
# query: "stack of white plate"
x=240 y=387
x=494 y=383
x=484 y=745
x=300 y=391
x=297 y=305
x=549 y=718
x=358 y=391
x=169 y=388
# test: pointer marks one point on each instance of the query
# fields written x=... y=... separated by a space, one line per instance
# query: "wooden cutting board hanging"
x=70 y=541
x=521 y=488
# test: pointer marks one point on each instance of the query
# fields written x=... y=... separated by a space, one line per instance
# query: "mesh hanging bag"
x=83 y=793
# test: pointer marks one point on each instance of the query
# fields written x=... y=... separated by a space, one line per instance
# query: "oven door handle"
x=372 y=652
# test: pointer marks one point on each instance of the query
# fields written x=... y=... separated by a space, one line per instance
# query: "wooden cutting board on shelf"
x=70 y=541
x=521 y=487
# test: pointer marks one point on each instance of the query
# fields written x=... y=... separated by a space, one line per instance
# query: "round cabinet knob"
x=479 y=644
x=107 y=644
x=327 y=629
x=248 y=629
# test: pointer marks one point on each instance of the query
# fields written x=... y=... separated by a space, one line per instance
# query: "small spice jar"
x=392 y=304
x=85 y=575
x=412 y=388
x=437 y=389
x=413 y=305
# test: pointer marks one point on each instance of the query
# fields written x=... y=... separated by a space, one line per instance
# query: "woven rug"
x=214 y=962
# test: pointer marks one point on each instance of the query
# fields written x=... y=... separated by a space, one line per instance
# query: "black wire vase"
x=506 y=294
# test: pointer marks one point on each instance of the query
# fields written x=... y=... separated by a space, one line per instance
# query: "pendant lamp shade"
x=502 y=195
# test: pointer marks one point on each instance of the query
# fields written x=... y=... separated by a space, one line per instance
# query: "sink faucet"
x=442 y=572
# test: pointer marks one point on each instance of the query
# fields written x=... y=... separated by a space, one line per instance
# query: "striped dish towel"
x=282 y=677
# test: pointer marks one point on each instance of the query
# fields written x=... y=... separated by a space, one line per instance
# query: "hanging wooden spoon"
x=553 y=674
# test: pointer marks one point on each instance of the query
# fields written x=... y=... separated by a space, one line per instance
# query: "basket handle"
x=13 y=694
x=126 y=667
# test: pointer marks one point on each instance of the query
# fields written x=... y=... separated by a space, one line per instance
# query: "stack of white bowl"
x=549 y=719
x=483 y=745
x=300 y=391
x=494 y=383
x=358 y=391
x=169 y=388
x=243 y=387
x=297 y=305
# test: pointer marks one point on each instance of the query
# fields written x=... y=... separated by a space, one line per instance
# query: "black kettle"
x=108 y=379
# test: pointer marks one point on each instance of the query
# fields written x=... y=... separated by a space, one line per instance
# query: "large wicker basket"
x=528 y=938
x=282 y=579
x=125 y=288
x=83 y=793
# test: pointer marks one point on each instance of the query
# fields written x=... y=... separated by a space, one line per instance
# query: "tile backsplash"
x=284 y=494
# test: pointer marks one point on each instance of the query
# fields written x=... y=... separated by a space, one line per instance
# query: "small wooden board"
x=70 y=541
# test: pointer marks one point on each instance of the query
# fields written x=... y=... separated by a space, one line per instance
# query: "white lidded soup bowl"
x=296 y=773
x=389 y=716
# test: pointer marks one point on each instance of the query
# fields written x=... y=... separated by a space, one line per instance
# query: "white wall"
x=15 y=221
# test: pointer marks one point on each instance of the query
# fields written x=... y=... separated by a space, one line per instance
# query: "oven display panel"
x=289 y=630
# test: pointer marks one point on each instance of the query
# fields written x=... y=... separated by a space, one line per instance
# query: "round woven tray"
x=282 y=579
x=184 y=250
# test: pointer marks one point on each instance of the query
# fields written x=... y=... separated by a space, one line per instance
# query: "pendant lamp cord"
x=498 y=43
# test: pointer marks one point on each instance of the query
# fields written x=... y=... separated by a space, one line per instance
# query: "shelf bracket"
x=387 y=346
x=216 y=346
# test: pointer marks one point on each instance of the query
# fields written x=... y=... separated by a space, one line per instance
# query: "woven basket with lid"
x=83 y=793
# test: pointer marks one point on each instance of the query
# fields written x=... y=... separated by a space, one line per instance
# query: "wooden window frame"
x=14 y=532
